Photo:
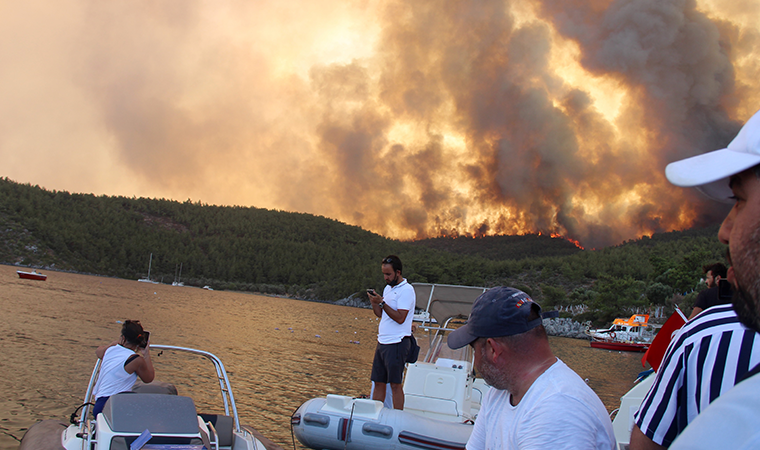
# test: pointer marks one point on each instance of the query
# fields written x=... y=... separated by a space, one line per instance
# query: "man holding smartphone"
x=395 y=325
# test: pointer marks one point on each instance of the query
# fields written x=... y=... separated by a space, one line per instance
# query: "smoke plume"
x=410 y=119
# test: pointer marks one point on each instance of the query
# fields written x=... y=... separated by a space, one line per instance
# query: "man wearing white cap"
x=535 y=400
x=732 y=175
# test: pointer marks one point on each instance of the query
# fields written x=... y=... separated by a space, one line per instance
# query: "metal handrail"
x=224 y=382
x=85 y=425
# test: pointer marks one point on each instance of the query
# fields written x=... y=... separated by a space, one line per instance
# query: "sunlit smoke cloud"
x=411 y=119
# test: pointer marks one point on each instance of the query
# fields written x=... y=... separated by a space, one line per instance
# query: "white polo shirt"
x=398 y=297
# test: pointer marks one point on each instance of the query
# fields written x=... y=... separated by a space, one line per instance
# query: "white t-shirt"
x=731 y=421
x=398 y=297
x=559 y=411
x=113 y=378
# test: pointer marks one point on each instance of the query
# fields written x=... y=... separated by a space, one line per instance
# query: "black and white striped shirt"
x=710 y=354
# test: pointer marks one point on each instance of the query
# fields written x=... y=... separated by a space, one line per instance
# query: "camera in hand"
x=725 y=292
x=144 y=339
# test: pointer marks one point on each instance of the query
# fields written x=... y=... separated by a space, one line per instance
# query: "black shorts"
x=390 y=359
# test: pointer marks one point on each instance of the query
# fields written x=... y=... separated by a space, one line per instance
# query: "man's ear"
x=494 y=349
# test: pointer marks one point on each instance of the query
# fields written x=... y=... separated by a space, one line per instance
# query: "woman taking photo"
x=123 y=361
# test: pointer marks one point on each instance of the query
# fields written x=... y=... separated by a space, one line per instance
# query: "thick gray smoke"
x=541 y=155
x=410 y=119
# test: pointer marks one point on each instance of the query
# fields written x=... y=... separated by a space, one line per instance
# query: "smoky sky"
x=410 y=119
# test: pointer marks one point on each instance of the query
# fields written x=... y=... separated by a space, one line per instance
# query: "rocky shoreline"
x=566 y=327
x=560 y=326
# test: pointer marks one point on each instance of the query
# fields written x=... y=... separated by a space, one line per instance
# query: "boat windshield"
x=432 y=342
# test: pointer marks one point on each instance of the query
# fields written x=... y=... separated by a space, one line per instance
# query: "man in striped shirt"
x=709 y=355
x=732 y=421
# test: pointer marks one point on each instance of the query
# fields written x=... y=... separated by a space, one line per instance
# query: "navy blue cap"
x=500 y=311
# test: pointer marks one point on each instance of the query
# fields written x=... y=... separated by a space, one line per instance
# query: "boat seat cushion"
x=223 y=426
x=133 y=413
x=339 y=402
x=365 y=406
x=156 y=387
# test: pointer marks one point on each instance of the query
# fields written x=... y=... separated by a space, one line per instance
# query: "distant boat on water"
x=33 y=275
x=148 y=280
x=208 y=288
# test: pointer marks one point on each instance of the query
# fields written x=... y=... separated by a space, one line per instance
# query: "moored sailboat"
x=147 y=279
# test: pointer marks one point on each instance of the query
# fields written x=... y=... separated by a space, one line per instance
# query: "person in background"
x=710 y=296
x=732 y=175
x=123 y=361
x=393 y=346
x=535 y=400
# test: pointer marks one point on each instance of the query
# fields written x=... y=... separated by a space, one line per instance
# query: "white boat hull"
x=338 y=422
x=622 y=424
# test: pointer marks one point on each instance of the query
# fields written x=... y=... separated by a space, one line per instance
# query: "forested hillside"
x=317 y=258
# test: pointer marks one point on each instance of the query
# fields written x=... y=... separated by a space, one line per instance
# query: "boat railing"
x=437 y=339
x=86 y=426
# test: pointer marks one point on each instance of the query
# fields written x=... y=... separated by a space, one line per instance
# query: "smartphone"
x=371 y=291
x=146 y=338
x=725 y=292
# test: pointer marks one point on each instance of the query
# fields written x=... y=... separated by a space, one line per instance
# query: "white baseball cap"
x=710 y=171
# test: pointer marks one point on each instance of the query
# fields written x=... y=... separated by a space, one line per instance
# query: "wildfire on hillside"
x=559 y=236
x=410 y=119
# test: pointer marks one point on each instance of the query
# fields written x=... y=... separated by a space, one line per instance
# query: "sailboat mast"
x=150 y=263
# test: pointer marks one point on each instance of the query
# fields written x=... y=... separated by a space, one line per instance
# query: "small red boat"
x=33 y=275
x=620 y=346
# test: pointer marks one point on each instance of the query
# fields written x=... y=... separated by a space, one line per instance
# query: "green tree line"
x=317 y=258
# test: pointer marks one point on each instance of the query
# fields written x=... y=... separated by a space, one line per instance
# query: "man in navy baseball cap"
x=535 y=400
x=501 y=311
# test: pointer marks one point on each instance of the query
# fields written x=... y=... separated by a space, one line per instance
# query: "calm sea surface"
x=279 y=352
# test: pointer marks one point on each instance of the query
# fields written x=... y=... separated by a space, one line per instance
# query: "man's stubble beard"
x=746 y=299
x=491 y=374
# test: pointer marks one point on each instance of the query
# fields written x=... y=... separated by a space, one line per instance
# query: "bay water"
x=279 y=352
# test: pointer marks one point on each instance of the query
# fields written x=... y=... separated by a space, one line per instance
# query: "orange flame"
x=559 y=236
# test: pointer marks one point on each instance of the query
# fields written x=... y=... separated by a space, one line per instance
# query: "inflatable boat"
x=442 y=395
x=622 y=423
x=152 y=416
